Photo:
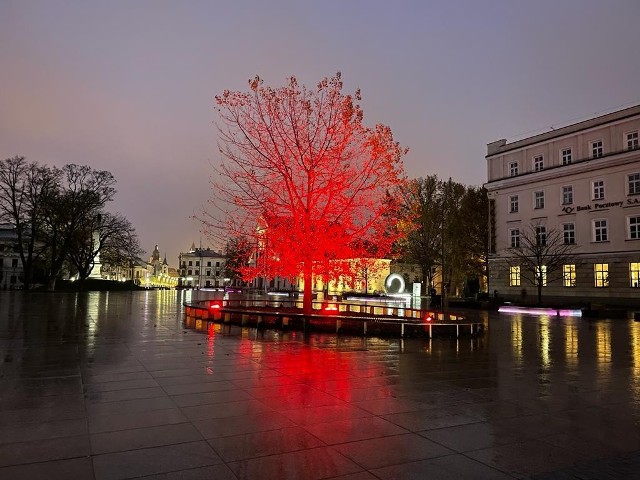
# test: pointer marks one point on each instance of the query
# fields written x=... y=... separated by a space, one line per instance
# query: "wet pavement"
x=110 y=386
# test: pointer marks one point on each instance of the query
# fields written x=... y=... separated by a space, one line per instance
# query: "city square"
x=110 y=385
x=356 y=240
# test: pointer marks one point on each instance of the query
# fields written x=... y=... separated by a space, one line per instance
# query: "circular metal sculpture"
x=389 y=283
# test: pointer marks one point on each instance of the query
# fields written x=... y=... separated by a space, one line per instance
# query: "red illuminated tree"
x=305 y=179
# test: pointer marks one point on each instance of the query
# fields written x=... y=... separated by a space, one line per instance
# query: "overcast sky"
x=128 y=86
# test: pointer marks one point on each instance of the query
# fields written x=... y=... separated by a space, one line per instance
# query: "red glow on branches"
x=305 y=180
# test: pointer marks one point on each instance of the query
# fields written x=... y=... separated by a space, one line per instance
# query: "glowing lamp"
x=428 y=318
x=214 y=305
x=331 y=307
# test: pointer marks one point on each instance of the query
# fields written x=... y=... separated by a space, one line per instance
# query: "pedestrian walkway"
x=110 y=386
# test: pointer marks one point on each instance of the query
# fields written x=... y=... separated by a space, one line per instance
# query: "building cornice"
x=501 y=146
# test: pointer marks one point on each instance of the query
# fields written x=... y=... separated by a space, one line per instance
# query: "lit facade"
x=582 y=181
x=203 y=268
x=154 y=273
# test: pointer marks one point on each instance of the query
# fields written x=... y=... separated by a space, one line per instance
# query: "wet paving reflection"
x=114 y=377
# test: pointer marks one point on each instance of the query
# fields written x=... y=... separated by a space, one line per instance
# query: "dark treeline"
x=60 y=220
x=445 y=226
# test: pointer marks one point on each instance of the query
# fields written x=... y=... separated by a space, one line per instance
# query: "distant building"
x=154 y=273
x=10 y=263
x=203 y=268
x=582 y=180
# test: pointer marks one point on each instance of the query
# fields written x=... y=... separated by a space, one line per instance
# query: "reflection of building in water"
x=571 y=344
x=583 y=182
x=603 y=349
x=635 y=353
x=545 y=341
x=516 y=339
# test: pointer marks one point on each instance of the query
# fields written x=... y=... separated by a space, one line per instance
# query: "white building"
x=202 y=268
x=582 y=181
x=10 y=264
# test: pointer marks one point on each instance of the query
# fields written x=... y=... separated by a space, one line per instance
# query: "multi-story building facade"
x=581 y=181
x=202 y=268
x=10 y=264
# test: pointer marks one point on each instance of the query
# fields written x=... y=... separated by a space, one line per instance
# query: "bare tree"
x=421 y=224
x=303 y=178
x=24 y=188
x=82 y=194
x=121 y=251
x=238 y=251
x=97 y=234
x=444 y=224
x=541 y=254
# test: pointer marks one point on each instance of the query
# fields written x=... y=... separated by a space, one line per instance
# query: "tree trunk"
x=539 y=293
x=307 y=295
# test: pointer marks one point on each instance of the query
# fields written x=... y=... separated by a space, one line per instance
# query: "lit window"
x=515 y=238
x=633 y=227
x=539 y=199
x=569 y=233
x=513 y=169
x=634 y=184
x=566 y=156
x=601 y=274
x=513 y=204
x=597 y=149
x=541 y=235
x=569 y=275
x=600 y=231
x=634 y=274
x=632 y=140
x=514 y=276
x=598 y=189
x=538 y=163
x=567 y=195
x=541 y=275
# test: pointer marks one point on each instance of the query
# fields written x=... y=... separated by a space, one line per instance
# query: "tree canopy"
x=56 y=212
x=444 y=224
x=304 y=178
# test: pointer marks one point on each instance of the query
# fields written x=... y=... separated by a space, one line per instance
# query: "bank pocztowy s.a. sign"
x=600 y=206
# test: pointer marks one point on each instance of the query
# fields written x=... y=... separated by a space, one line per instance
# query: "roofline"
x=501 y=146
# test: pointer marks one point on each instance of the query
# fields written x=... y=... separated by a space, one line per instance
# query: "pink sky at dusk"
x=128 y=86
